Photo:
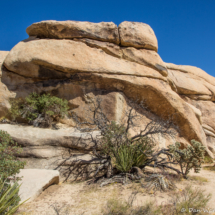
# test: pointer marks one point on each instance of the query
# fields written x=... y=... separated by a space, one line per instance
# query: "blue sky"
x=185 y=28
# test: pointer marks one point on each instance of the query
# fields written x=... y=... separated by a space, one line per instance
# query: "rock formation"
x=5 y=94
x=82 y=60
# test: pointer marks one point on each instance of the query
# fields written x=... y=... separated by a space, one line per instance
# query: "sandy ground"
x=83 y=199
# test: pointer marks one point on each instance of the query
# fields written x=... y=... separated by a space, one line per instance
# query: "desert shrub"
x=124 y=153
x=39 y=110
x=187 y=199
x=188 y=158
x=9 y=198
x=9 y=164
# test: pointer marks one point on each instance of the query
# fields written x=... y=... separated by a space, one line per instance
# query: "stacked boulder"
x=81 y=60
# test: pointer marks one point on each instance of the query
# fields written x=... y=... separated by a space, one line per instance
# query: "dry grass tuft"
x=158 y=182
x=198 y=179
x=211 y=168
x=208 y=159
x=185 y=199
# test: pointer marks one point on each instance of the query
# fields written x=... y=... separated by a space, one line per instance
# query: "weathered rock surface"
x=207 y=109
x=109 y=48
x=32 y=138
x=3 y=55
x=144 y=88
x=193 y=70
x=190 y=85
x=59 y=59
x=34 y=181
x=145 y=57
x=5 y=94
x=103 y=31
x=138 y=35
x=53 y=149
x=192 y=81
x=81 y=61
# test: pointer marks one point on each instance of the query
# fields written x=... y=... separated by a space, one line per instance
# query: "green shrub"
x=188 y=158
x=9 y=164
x=124 y=153
x=39 y=110
x=9 y=198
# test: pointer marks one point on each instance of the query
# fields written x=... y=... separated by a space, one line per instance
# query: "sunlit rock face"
x=80 y=61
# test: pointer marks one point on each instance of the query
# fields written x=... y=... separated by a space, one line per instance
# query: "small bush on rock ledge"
x=39 y=110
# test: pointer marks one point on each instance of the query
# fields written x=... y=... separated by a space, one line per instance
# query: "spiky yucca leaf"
x=8 y=198
x=124 y=158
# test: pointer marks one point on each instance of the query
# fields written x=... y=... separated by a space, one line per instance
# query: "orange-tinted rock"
x=138 y=35
x=192 y=81
x=109 y=48
x=103 y=31
x=79 y=61
x=5 y=94
x=57 y=59
x=3 y=55
x=145 y=57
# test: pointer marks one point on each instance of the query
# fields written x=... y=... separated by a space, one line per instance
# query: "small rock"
x=34 y=181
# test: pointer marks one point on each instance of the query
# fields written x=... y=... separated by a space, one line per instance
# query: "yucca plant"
x=123 y=158
x=142 y=149
x=9 y=198
x=124 y=152
x=130 y=155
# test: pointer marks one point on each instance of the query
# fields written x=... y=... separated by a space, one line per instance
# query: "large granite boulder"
x=81 y=61
x=58 y=59
x=103 y=31
x=138 y=35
